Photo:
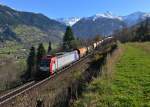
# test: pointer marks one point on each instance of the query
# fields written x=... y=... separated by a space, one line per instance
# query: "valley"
x=74 y=56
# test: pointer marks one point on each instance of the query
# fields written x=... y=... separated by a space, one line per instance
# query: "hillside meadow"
x=13 y=63
x=125 y=80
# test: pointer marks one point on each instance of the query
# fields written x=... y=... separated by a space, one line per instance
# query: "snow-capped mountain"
x=107 y=15
x=69 y=21
x=99 y=24
x=135 y=18
x=102 y=23
x=106 y=23
x=130 y=19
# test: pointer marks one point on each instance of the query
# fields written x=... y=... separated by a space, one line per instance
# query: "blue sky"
x=79 y=8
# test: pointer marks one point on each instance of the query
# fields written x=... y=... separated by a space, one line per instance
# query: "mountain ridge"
x=68 y=21
x=19 y=24
x=101 y=26
x=106 y=24
x=109 y=15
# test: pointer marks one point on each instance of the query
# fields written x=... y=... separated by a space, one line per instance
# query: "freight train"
x=52 y=64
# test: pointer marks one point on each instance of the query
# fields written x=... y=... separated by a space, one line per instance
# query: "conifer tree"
x=143 y=31
x=146 y=30
x=146 y=26
x=31 y=61
x=40 y=53
x=49 y=47
x=68 y=37
x=140 y=33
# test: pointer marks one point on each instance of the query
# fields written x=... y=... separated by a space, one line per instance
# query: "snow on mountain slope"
x=135 y=18
x=99 y=24
x=107 y=15
x=69 y=21
x=106 y=23
x=130 y=19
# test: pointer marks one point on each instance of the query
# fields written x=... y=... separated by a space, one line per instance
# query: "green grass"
x=129 y=85
x=10 y=47
x=54 y=45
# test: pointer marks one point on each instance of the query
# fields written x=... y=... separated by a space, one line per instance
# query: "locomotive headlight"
x=44 y=68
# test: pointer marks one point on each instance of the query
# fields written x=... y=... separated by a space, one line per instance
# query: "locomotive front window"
x=45 y=63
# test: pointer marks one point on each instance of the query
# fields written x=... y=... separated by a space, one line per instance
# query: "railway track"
x=12 y=93
x=27 y=87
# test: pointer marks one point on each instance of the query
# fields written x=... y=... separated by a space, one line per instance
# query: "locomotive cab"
x=48 y=65
x=44 y=65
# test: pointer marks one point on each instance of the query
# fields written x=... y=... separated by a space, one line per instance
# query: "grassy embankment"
x=125 y=81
